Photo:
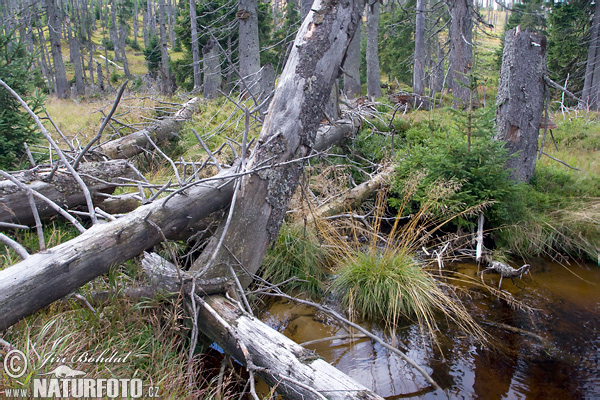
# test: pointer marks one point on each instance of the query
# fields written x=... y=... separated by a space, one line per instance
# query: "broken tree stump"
x=520 y=100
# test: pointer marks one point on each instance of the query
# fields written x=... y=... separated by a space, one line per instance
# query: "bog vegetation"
x=448 y=171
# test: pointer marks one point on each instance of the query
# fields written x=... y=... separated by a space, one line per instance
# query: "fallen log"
x=60 y=187
x=294 y=371
x=134 y=143
x=50 y=275
x=355 y=196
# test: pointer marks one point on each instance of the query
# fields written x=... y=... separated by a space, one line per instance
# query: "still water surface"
x=566 y=314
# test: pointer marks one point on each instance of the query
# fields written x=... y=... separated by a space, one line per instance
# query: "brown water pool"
x=566 y=313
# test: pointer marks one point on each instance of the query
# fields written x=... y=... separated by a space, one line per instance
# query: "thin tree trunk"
x=212 y=69
x=249 y=49
x=75 y=52
x=590 y=92
x=373 y=70
x=288 y=133
x=520 y=100
x=114 y=30
x=461 y=51
x=136 y=22
x=419 y=63
x=305 y=6
x=145 y=27
x=352 y=86
x=195 y=46
x=54 y=30
x=171 y=21
x=164 y=51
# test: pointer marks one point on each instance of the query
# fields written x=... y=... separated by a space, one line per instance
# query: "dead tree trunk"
x=195 y=46
x=288 y=133
x=54 y=29
x=134 y=143
x=419 y=62
x=352 y=86
x=520 y=100
x=373 y=70
x=461 y=51
x=281 y=362
x=249 y=47
x=45 y=277
x=212 y=69
x=590 y=92
x=62 y=189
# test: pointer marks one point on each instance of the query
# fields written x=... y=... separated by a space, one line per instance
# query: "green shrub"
x=16 y=126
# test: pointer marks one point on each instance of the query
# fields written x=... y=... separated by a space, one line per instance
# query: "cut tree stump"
x=62 y=189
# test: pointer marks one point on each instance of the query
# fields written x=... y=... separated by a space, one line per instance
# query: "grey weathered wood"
x=62 y=189
x=591 y=92
x=54 y=29
x=48 y=276
x=212 y=69
x=373 y=70
x=520 y=100
x=419 y=61
x=249 y=49
x=461 y=51
x=274 y=357
x=352 y=86
x=195 y=47
x=135 y=143
x=288 y=133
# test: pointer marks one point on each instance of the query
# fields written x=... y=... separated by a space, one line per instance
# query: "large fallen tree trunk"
x=135 y=143
x=60 y=187
x=288 y=133
x=47 y=276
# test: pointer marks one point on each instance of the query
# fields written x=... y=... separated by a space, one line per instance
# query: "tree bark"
x=520 y=100
x=134 y=143
x=212 y=69
x=352 y=86
x=249 y=48
x=373 y=70
x=195 y=47
x=62 y=189
x=48 y=276
x=591 y=92
x=288 y=133
x=461 y=51
x=167 y=86
x=54 y=34
x=136 y=22
x=419 y=63
x=75 y=51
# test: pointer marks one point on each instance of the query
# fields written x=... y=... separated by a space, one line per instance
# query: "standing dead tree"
x=520 y=99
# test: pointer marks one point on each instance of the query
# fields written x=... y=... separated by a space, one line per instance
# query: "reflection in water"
x=566 y=313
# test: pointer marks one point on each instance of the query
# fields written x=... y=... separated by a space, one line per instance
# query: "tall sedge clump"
x=386 y=282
